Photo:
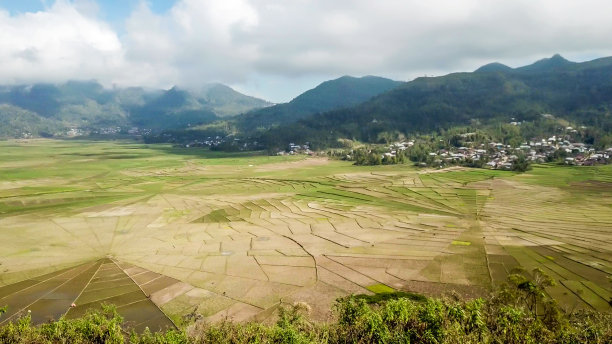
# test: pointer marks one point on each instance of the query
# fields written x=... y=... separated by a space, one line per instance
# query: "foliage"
x=380 y=297
x=17 y=122
x=330 y=95
x=576 y=92
x=48 y=110
x=95 y=327
x=521 y=164
x=380 y=288
x=509 y=316
x=491 y=138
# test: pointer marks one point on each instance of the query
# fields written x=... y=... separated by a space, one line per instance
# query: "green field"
x=189 y=231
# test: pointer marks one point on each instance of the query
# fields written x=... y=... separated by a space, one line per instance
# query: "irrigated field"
x=191 y=232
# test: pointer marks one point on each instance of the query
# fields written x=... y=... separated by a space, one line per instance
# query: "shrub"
x=508 y=316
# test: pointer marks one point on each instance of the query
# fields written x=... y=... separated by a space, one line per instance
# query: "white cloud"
x=194 y=43
x=56 y=44
x=289 y=44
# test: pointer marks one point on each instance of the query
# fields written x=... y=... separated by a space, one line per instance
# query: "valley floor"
x=195 y=233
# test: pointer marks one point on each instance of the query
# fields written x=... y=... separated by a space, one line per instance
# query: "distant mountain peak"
x=554 y=62
x=557 y=59
x=365 y=77
x=493 y=67
x=225 y=101
x=175 y=89
x=334 y=93
x=558 y=56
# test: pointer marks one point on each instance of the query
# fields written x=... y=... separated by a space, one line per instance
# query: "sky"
x=277 y=49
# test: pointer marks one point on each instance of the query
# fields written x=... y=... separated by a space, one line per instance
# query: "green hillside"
x=343 y=92
x=88 y=106
x=226 y=102
x=17 y=122
x=580 y=92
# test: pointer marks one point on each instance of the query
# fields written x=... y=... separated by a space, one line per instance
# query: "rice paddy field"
x=171 y=235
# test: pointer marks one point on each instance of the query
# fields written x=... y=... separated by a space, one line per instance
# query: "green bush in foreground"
x=520 y=312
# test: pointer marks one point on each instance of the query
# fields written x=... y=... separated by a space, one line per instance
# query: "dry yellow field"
x=202 y=234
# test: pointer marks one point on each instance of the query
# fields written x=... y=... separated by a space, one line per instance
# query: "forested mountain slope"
x=580 y=92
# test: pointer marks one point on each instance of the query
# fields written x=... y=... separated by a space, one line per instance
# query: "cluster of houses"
x=294 y=149
x=107 y=131
x=210 y=141
x=553 y=148
x=229 y=142
x=135 y=131
x=132 y=131
x=497 y=155
x=74 y=132
x=398 y=147
x=596 y=158
x=26 y=135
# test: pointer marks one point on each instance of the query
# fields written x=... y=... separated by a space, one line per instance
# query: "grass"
x=243 y=230
x=565 y=176
x=503 y=318
x=380 y=288
x=384 y=293
x=386 y=296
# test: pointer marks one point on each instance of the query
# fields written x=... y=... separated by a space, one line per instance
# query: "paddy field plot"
x=184 y=233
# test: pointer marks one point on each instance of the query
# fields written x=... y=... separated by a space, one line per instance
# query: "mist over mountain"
x=360 y=109
x=51 y=109
x=226 y=101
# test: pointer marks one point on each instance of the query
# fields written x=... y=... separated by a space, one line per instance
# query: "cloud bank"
x=276 y=49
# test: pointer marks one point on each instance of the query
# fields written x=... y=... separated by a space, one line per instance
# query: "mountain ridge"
x=346 y=107
x=341 y=92
x=88 y=105
x=555 y=62
x=577 y=91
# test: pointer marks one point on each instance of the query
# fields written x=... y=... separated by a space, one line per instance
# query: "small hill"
x=225 y=101
x=493 y=67
x=174 y=108
x=174 y=99
x=18 y=122
x=343 y=92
